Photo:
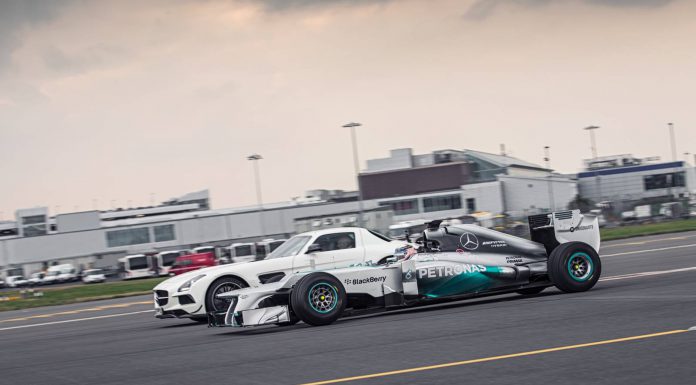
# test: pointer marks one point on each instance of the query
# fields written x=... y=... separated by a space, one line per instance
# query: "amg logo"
x=579 y=228
x=362 y=281
x=449 y=271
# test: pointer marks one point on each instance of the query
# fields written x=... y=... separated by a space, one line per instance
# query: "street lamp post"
x=672 y=142
x=255 y=161
x=593 y=145
x=352 y=126
x=547 y=159
x=592 y=140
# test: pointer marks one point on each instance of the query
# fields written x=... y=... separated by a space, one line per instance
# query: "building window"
x=470 y=205
x=164 y=233
x=33 y=219
x=442 y=203
x=403 y=207
x=34 y=225
x=675 y=179
x=34 y=230
x=136 y=236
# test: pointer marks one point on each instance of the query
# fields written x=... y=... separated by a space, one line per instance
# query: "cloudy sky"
x=105 y=101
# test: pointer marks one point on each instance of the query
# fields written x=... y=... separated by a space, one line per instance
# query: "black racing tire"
x=221 y=285
x=574 y=267
x=531 y=290
x=318 y=299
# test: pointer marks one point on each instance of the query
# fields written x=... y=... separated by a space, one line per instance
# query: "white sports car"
x=193 y=294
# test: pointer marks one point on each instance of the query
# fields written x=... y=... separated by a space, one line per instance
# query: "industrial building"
x=624 y=181
x=449 y=183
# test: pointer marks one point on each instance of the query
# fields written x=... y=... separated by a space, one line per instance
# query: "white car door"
x=347 y=249
x=308 y=261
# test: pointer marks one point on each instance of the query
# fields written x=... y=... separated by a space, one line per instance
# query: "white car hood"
x=176 y=281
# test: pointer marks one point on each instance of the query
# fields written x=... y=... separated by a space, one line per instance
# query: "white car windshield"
x=291 y=247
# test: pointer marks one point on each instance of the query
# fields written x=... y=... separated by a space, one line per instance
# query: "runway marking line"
x=649 y=250
x=75 y=320
x=68 y=312
x=646 y=274
x=496 y=358
x=650 y=241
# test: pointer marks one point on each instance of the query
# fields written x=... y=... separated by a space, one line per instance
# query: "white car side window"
x=336 y=241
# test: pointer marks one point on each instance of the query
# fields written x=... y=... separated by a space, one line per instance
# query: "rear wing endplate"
x=558 y=227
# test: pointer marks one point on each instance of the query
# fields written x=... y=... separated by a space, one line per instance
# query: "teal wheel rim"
x=323 y=297
x=580 y=267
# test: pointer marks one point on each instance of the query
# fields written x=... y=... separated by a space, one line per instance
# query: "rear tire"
x=574 y=267
x=221 y=285
x=318 y=299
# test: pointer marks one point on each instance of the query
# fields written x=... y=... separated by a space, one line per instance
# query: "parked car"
x=66 y=272
x=16 y=281
x=166 y=259
x=37 y=279
x=191 y=262
x=93 y=276
x=193 y=294
x=242 y=252
x=135 y=266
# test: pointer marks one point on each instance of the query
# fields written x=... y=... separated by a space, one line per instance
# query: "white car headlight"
x=187 y=285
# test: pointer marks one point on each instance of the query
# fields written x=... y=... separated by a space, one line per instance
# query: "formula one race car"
x=453 y=262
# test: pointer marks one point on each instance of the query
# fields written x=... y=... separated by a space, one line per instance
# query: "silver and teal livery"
x=453 y=262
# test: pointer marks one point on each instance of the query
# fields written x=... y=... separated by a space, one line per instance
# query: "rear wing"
x=564 y=226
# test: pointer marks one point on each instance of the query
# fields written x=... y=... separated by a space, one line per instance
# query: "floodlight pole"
x=356 y=163
x=547 y=159
x=255 y=161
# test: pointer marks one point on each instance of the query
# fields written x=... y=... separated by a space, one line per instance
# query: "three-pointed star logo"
x=469 y=241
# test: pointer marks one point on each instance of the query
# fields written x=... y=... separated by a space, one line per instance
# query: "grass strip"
x=79 y=293
x=630 y=231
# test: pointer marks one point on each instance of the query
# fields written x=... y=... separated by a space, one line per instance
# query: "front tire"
x=318 y=299
x=574 y=267
x=219 y=286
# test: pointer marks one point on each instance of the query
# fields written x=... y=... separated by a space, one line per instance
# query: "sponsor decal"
x=579 y=228
x=361 y=264
x=449 y=271
x=362 y=281
x=409 y=275
x=513 y=259
x=494 y=243
x=469 y=241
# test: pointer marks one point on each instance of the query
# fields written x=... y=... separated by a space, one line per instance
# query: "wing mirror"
x=313 y=248
x=392 y=260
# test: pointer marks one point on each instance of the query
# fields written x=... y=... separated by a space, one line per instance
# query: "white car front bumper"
x=170 y=304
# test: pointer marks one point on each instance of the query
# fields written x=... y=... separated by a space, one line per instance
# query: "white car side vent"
x=561 y=215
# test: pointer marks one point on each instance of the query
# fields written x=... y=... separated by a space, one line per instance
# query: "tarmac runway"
x=630 y=329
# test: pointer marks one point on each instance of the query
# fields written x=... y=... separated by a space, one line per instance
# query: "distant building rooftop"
x=403 y=158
